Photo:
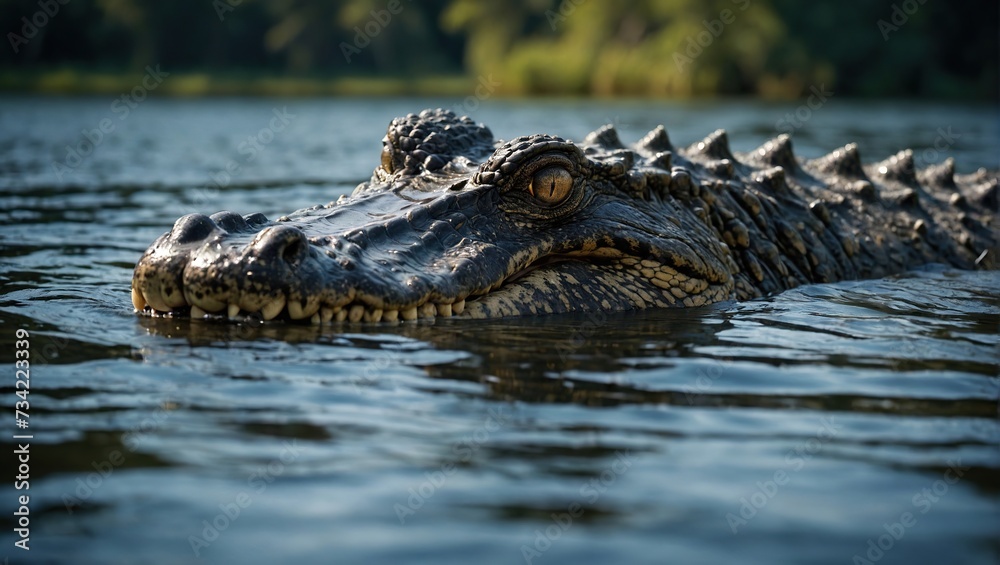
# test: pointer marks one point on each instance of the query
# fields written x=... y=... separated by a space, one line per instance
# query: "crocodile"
x=456 y=223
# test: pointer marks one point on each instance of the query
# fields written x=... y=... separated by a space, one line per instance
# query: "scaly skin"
x=455 y=224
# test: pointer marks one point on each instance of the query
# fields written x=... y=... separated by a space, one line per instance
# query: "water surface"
x=808 y=427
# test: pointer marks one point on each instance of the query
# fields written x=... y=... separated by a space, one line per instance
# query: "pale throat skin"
x=455 y=223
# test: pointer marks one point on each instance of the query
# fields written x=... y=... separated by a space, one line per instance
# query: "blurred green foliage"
x=674 y=48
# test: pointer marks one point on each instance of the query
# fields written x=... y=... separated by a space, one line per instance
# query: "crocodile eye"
x=551 y=185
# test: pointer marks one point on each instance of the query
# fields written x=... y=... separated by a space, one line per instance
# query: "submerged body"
x=454 y=223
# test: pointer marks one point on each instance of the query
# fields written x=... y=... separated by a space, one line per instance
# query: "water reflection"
x=675 y=357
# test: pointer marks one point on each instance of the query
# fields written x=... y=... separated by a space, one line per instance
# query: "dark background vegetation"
x=772 y=48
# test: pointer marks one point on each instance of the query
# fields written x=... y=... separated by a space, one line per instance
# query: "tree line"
x=900 y=48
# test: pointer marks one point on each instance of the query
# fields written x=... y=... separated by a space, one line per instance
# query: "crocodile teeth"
x=137 y=300
x=272 y=309
x=356 y=313
x=326 y=314
x=298 y=311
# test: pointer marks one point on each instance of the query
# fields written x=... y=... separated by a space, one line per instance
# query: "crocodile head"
x=453 y=223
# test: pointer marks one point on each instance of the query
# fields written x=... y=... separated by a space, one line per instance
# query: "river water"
x=843 y=423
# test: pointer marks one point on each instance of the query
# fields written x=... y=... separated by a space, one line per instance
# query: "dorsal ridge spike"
x=662 y=160
x=940 y=174
x=843 y=162
x=715 y=146
x=900 y=167
x=777 y=152
x=987 y=194
x=773 y=180
x=655 y=141
x=606 y=136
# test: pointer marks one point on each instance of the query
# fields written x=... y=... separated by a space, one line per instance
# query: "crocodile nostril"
x=192 y=228
x=292 y=251
x=283 y=242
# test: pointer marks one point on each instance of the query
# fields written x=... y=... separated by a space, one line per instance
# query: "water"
x=809 y=427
